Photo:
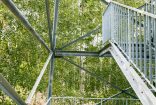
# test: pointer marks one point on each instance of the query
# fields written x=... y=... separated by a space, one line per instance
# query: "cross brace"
x=7 y=88
x=99 y=78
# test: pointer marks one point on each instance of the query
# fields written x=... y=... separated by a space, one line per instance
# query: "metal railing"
x=149 y=7
x=93 y=101
x=134 y=31
x=131 y=29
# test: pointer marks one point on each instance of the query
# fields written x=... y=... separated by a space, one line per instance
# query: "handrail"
x=135 y=10
x=136 y=41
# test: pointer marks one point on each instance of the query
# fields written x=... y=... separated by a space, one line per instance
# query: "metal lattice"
x=129 y=36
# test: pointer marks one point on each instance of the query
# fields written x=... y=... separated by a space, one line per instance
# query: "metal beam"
x=79 y=53
x=99 y=77
x=53 y=41
x=115 y=95
x=25 y=22
x=76 y=53
x=82 y=37
x=103 y=52
x=51 y=74
x=54 y=28
x=7 y=88
x=29 y=98
x=48 y=21
x=139 y=86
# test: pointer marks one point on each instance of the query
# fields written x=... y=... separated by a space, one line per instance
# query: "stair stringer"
x=139 y=86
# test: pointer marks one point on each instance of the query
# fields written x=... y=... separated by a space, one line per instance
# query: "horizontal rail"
x=67 y=100
x=7 y=88
x=76 y=53
x=18 y=14
x=28 y=100
x=135 y=10
x=113 y=96
x=69 y=97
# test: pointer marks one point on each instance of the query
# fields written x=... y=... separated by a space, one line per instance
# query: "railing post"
x=132 y=35
x=155 y=50
x=145 y=32
x=109 y=13
x=136 y=39
x=112 y=22
x=101 y=101
x=140 y=42
x=129 y=34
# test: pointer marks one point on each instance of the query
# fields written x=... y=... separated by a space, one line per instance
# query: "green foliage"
x=22 y=57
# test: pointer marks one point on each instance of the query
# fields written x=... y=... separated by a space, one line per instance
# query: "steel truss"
x=108 y=51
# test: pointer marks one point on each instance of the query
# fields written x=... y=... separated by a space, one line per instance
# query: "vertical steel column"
x=129 y=32
x=150 y=49
x=118 y=24
x=132 y=36
x=126 y=30
x=147 y=44
x=114 y=20
x=110 y=25
x=48 y=21
x=111 y=22
x=140 y=42
x=53 y=41
x=136 y=40
x=121 y=23
x=101 y=101
x=127 y=26
x=145 y=34
x=123 y=28
x=51 y=62
x=153 y=45
x=155 y=50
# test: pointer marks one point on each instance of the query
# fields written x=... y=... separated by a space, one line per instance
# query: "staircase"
x=131 y=36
